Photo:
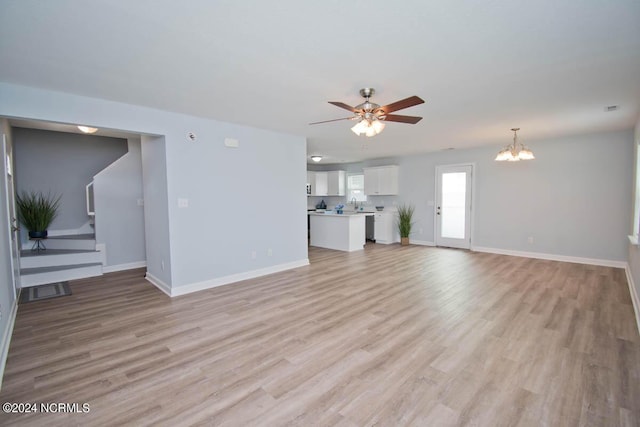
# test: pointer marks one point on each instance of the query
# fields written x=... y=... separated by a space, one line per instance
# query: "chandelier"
x=516 y=151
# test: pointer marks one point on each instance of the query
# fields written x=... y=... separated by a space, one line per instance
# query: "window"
x=355 y=188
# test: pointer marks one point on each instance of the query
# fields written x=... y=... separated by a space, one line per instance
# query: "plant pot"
x=38 y=234
x=404 y=241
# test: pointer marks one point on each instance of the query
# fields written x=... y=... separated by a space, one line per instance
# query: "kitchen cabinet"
x=343 y=232
x=310 y=184
x=317 y=183
x=329 y=183
x=383 y=227
x=336 y=183
x=381 y=181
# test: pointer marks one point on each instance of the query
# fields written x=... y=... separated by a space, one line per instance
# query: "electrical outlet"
x=254 y=254
x=420 y=231
x=530 y=240
x=162 y=265
x=183 y=203
x=269 y=252
x=140 y=202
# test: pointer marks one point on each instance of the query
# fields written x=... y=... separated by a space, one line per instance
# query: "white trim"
x=121 y=267
x=70 y=232
x=6 y=338
x=633 y=240
x=553 y=257
x=472 y=202
x=158 y=283
x=13 y=245
x=634 y=295
x=421 y=242
x=102 y=248
x=207 y=284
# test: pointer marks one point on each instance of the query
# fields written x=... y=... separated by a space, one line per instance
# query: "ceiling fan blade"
x=399 y=105
x=343 y=105
x=334 y=120
x=402 y=119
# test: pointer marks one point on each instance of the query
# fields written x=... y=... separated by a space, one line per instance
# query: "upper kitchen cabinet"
x=331 y=183
x=336 y=183
x=381 y=181
x=318 y=181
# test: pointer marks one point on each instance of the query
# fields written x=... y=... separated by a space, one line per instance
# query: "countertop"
x=346 y=214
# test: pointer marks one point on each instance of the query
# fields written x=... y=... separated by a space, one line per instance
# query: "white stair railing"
x=89 y=195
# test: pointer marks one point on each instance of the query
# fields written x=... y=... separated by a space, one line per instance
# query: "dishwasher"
x=369 y=228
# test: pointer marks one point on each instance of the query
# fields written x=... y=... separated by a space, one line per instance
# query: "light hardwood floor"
x=388 y=336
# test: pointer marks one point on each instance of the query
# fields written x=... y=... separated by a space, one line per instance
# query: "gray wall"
x=573 y=199
x=119 y=217
x=241 y=200
x=228 y=189
x=156 y=214
x=62 y=163
x=7 y=295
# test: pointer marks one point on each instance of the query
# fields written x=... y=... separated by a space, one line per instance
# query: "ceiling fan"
x=371 y=116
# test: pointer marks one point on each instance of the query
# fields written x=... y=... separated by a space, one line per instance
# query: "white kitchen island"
x=342 y=232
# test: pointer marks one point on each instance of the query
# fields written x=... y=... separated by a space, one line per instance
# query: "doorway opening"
x=454 y=188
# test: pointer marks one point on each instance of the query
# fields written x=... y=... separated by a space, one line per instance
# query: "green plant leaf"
x=405 y=219
x=37 y=210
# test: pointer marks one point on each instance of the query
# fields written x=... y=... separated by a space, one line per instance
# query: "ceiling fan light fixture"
x=360 y=127
x=316 y=158
x=370 y=116
x=87 y=129
x=368 y=127
x=370 y=131
x=378 y=126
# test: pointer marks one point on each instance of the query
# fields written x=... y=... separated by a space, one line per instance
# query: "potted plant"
x=36 y=211
x=405 y=222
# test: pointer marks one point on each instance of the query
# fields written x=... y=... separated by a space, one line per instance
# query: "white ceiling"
x=547 y=66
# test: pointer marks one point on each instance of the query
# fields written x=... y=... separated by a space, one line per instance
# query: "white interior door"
x=11 y=212
x=453 y=206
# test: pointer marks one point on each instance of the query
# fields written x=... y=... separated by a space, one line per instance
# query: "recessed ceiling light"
x=316 y=158
x=87 y=129
x=611 y=108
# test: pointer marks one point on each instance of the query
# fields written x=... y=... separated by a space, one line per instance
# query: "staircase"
x=66 y=258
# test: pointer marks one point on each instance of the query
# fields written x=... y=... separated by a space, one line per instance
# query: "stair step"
x=71 y=241
x=43 y=275
x=58 y=257
x=73 y=237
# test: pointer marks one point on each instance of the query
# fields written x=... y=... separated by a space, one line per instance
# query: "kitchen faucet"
x=354 y=201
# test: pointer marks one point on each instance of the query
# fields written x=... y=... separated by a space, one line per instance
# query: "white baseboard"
x=6 y=338
x=122 y=267
x=207 y=284
x=553 y=257
x=421 y=242
x=158 y=283
x=634 y=295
